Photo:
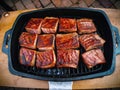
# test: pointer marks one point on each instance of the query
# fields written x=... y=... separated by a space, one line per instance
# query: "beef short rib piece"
x=27 y=57
x=85 y=26
x=34 y=25
x=46 y=59
x=93 y=57
x=67 y=25
x=67 y=58
x=91 y=41
x=28 y=40
x=46 y=41
x=49 y=25
x=67 y=41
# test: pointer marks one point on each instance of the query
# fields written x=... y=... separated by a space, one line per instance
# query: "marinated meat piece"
x=28 y=40
x=46 y=41
x=67 y=25
x=49 y=25
x=27 y=57
x=93 y=58
x=67 y=58
x=85 y=26
x=91 y=41
x=34 y=25
x=46 y=59
x=67 y=41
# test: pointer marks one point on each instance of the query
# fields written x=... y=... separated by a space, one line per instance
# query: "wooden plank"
x=8 y=79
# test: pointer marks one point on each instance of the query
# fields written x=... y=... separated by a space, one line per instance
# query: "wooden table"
x=7 y=79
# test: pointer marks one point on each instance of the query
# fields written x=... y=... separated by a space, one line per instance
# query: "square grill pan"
x=104 y=29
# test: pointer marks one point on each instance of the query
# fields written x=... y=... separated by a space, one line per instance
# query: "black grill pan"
x=104 y=28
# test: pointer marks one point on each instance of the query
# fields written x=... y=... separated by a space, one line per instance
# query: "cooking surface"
x=11 y=80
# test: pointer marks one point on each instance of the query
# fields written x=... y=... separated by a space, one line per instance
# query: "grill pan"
x=104 y=28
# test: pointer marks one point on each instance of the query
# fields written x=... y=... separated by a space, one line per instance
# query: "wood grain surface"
x=8 y=79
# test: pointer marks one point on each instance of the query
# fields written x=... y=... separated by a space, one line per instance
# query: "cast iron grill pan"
x=62 y=74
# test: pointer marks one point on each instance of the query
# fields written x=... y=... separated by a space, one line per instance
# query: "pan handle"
x=117 y=39
x=6 y=41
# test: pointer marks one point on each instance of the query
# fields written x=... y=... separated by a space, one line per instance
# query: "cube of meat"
x=27 y=57
x=85 y=26
x=34 y=25
x=67 y=41
x=28 y=40
x=93 y=58
x=91 y=41
x=46 y=41
x=67 y=25
x=49 y=25
x=46 y=59
x=67 y=58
